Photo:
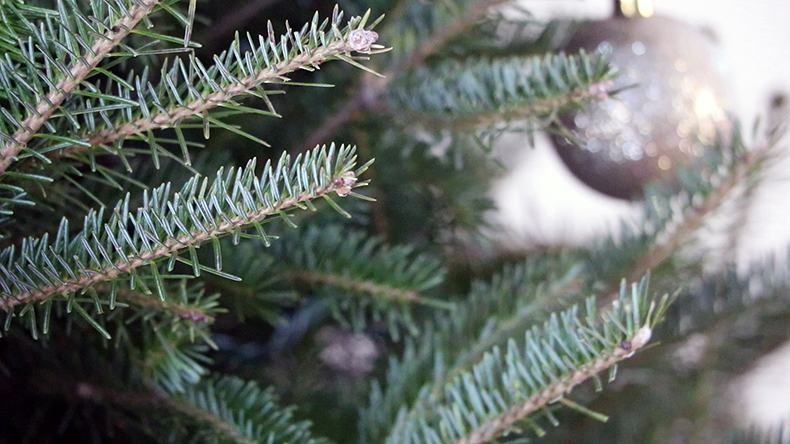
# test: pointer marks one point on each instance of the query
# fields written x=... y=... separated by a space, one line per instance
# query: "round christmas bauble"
x=673 y=111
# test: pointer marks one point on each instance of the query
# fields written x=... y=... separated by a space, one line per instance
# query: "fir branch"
x=274 y=73
x=222 y=409
x=353 y=261
x=185 y=309
x=79 y=70
x=356 y=275
x=485 y=92
x=444 y=35
x=356 y=285
x=486 y=401
x=513 y=301
x=372 y=89
x=555 y=391
x=716 y=186
x=240 y=411
x=165 y=226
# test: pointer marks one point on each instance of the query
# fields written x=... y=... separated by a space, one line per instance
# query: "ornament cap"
x=633 y=8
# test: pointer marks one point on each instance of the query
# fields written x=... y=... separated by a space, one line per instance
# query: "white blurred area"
x=541 y=202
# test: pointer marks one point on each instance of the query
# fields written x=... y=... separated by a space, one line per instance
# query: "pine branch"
x=678 y=218
x=79 y=70
x=101 y=116
x=557 y=390
x=487 y=92
x=238 y=83
x=463 y=16
x=228 y=409
x=166 y=226
x=222 y=410
x=485 y=402
x=357 y=276
x=494 y=312
x=188 y=307
x=357 y=286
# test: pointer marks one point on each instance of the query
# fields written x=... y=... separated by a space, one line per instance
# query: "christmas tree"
x=198 y=246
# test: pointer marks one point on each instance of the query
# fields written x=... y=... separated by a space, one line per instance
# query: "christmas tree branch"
x=509 y=114
x=358 y=40
x=512 y=302
x=509 y=327
x=445 y=34
x=744 y=165
x=186 y=311
x=163 y=228
x=556 y=390
x=486 y=401
x=80 y=69
x=212 y=406
x=372 y=89
x=484 y=92
x=357 y=285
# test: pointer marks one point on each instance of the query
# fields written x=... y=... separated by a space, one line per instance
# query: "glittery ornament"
x=674 y=111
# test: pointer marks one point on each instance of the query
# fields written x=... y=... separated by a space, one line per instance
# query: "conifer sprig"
x=359 y=277
x=673 y=218
x=97 y=112
x=230 y=410
x=512 y=301
x=189 y=90
x=166 y=226
x=487 y=401
x=104 y=41
x=421 y=31
x=484 y=92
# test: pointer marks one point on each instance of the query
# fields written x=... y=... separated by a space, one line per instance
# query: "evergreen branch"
x=220 y=428
x=79 y=70
x=187 y=90
x=352 y=261
x=356 y=285
x=165 y=227
x=229 y=409
x=186 y=308
x=486 y=401
x=555 y=391
x=358 y=39
x=495 y=311
x=444 y=35
x=487 y=92
x=372 y=89
x=721 y=176
x=356 y=275
x=723 y=169
x=224 y=410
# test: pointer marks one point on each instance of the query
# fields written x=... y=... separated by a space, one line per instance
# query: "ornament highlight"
x=673 y=111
